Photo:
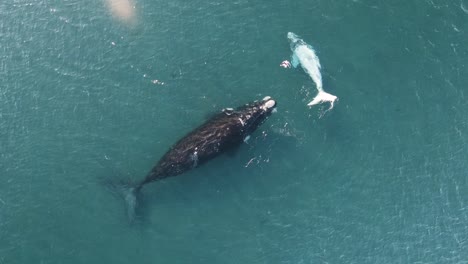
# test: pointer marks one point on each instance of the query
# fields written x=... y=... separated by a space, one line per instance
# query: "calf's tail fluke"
x=322 y=97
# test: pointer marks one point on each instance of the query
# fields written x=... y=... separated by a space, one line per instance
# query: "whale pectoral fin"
x=294 y=60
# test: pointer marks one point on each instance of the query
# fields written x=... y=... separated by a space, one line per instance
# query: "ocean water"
x=91 y=91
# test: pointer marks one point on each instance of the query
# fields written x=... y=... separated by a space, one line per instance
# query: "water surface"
x=380 y=179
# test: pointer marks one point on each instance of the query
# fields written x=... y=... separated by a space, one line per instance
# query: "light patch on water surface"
x=123 y=10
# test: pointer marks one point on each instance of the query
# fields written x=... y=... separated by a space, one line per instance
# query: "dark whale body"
x=224 y=131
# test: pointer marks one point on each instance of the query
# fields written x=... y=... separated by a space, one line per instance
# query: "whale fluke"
x=322 y=97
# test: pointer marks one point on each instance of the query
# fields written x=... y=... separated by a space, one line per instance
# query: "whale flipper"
x=294 y=60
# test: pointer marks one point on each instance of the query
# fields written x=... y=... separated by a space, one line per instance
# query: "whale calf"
x=224 y=131
x=304 y=54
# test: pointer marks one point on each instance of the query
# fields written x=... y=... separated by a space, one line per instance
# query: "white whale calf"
x=304 y=55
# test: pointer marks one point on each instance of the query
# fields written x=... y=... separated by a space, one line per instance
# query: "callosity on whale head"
x=255 y=113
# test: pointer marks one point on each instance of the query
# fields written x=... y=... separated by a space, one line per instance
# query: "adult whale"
x=224 y=131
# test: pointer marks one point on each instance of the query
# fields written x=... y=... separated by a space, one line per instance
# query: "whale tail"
x=129 y=192
x=130 y=196
x=322 y=97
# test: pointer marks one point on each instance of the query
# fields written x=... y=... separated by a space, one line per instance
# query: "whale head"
x=292 y=36
x=294 y=40
x=254 y=114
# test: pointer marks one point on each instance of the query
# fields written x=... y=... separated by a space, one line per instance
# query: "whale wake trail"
x=305 y=55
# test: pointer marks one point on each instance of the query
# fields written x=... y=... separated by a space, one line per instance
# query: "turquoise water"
x=379 y=179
